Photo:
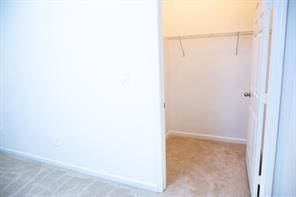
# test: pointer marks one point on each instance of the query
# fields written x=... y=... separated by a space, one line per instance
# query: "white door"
x=257 y=94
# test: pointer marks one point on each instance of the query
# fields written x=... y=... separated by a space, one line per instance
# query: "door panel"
x=261 y=45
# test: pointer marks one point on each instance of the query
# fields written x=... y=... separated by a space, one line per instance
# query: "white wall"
x=80 y=85
x=205 y=88
x=285 y=167
x=185 y=17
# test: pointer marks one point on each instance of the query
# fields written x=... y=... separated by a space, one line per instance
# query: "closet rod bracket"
x=237 y=43
x=181 y=45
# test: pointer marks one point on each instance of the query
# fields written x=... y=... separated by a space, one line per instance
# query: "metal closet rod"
x=211 y=35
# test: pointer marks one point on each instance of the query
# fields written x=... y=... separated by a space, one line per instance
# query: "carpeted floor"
x=205 y=168
x=194 y=168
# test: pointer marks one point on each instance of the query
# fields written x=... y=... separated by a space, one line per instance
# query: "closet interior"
x=207 y=55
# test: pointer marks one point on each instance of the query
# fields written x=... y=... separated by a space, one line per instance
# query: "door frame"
x=163 y=184
x=274 y=97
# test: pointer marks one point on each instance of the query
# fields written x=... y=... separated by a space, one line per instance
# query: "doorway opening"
x=216 y=67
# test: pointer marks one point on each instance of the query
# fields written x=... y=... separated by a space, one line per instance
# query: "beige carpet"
x=205 y=168
x=195 y=168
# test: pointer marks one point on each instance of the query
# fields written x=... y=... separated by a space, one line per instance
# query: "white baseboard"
x=168 y=134
x=205 y=137
x=102 y=175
